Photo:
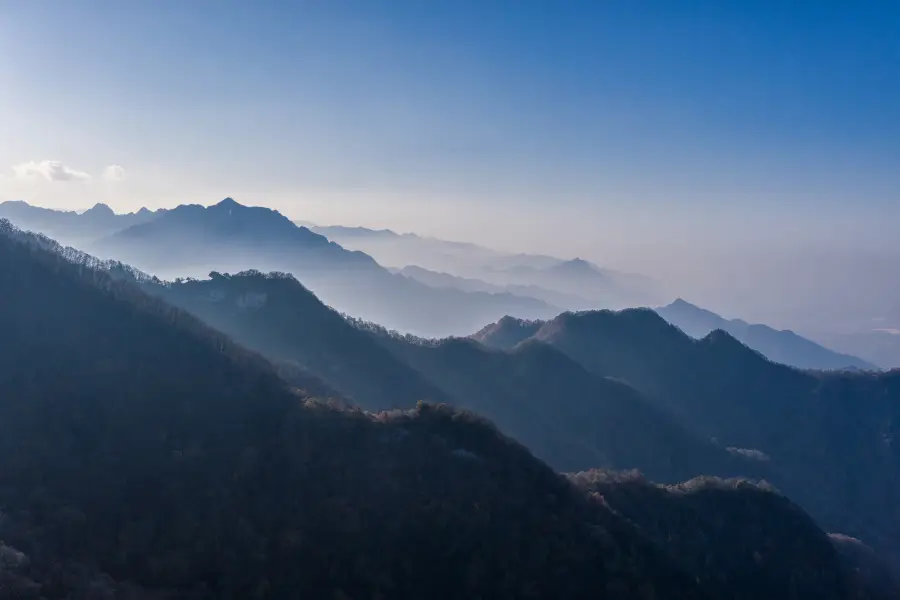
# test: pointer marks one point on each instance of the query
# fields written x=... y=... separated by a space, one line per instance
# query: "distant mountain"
x=784 y=347
x=341 y=232
x=445 y=280
x=145 y=456
x=401 y=249
x=576 y=283
x=73 y=227
x=607 y=288
x=795 y=421
x=193 y=240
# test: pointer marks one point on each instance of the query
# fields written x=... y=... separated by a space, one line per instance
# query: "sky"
x=654 y=135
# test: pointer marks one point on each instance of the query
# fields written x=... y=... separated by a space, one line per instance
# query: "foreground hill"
x=736 y=513
x=140 y=450
x=784 y=347
x=143 y=455
x=794 y=421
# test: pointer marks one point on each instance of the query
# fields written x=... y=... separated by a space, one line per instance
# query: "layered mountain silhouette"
x=73 y=227
x=784 y=347
x=563 y=413
x=469 y=284
x=795 y=421
x=193 y=240
x=549 y=386
x=144 y=455
x=572 y=284
x=138 y=443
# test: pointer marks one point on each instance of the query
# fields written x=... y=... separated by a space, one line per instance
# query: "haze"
x=744 y=156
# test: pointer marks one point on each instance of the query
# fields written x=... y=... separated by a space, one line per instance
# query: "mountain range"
x=795 y=421
x=596 y=389
x=193 y=240
x=74 y=228
x=470 y=284
x=145 y=455
x=780 y=346
x=572 y=284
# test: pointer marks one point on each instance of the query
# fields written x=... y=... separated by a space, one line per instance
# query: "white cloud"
x=51 y=170
x=113 y=173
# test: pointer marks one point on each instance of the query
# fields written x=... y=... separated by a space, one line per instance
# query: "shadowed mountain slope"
x=563 y=413
x=712 y=527
x=143 y=455
x=793 y=420
x=276 y=315
x=141 y=451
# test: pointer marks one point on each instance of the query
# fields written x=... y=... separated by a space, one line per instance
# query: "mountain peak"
x=100 y=209
x=507 y=332
x=681 y=303
x=228 y=202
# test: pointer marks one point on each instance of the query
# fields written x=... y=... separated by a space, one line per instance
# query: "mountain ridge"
x=782 y=346
x=161 y=474
x=193 y=240
x=799 y=420
x=71 y=226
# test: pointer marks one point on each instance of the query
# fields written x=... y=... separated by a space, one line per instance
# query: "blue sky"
x=620 y=130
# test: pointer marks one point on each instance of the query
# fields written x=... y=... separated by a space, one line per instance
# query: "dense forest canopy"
x=145 y=455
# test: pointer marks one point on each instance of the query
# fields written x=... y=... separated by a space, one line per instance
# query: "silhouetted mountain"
x=228 y=237
x=507 y=332
x=784 y=347
x=564 y=414
x=567 y=416
x=277 y=316
x=144 y=456
x=72 y=227
x=795 y=421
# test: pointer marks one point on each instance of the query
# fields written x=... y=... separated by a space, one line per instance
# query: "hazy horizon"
x=744 y=156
